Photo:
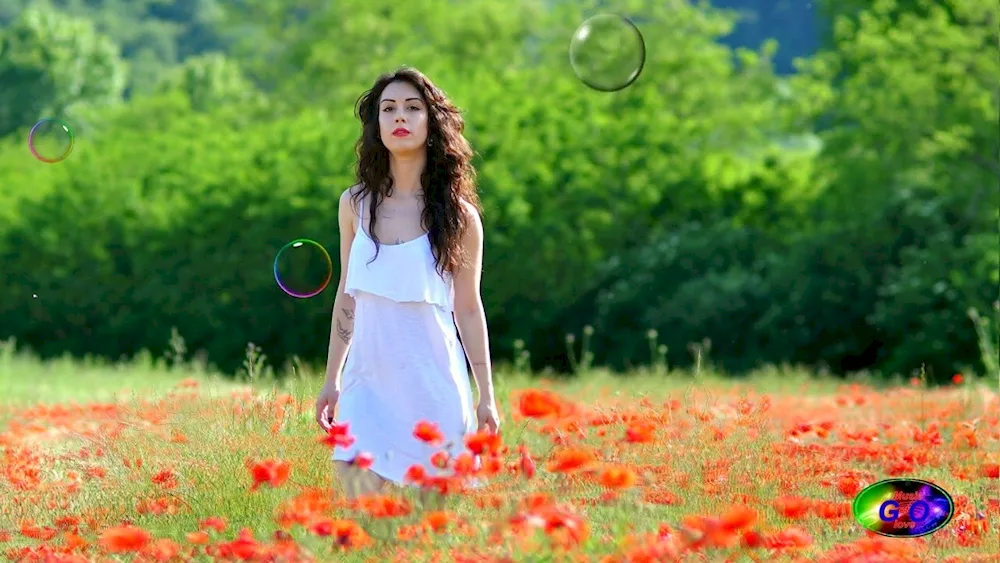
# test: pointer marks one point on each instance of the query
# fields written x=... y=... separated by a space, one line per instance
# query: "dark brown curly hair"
x=448 y=178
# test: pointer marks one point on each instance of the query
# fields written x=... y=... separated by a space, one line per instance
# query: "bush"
x=811 y=219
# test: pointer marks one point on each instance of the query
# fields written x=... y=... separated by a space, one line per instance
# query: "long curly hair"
x=448 y=178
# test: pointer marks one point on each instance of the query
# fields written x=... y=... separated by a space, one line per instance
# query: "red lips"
x=400 y=132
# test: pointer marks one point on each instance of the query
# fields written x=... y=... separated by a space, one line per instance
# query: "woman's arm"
x=342 y=323
x=470 y=317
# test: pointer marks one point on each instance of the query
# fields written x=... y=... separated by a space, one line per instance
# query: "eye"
x=387 y=108
x=415 y=108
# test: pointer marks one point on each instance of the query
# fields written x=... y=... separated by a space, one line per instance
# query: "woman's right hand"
x=326 y=403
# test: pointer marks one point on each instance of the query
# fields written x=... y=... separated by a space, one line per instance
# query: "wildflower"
x=490 y=465
x=526 y=464
x=536 y=403
x=338 y=435
x=640 y=433
x=244 y=547
x=849 y=486
x=213 y=523
x=348 y=534
x=73 y=542
x=363 y=460
x=618 y=478
x=739 y=517
x=438 y=520
x=483 y=442
x=792 y=507
x=440 y=459
x=428 y=432
x=272 y=472
x=571 y=460
x=788 y=538
x=124 y=539
x=727 y=531
x=163 y=549
x=198 y=538
x=166 y=479
x=832 y=510
x=382 y=506
x=415 y=474
x=322 y=526
x=464 y=464
x=304 y=508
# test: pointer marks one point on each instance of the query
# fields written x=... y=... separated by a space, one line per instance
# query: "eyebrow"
x=406 y=100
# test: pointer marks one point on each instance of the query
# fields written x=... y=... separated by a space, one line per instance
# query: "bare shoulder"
x=472 y=215
x=349 y=194
x=348 y=200
x=348 y=208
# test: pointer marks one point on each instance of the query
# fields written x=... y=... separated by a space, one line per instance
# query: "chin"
x=403 y=146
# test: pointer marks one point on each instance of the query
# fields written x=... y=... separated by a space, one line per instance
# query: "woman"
x=411 y=253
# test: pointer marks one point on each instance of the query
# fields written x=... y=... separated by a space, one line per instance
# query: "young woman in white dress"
x=411 y=255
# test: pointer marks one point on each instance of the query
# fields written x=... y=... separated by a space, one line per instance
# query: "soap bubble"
x=51 y=140
x=303 y=268
x=607 y=52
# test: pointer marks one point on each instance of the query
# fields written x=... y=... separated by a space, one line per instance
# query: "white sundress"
x=405 y=363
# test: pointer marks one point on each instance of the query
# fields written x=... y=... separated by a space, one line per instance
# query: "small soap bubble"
x=51 y=140
x=303 y=268
x=607 y=52
x=34 y=296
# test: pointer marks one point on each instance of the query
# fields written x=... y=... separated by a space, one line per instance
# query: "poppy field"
x=142 y=462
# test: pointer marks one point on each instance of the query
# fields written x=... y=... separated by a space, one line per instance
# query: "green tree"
x=51 y=63
x=210 y=81
x=569 y=177
x=153 y=35
x=814 y=213
x=915 y=103
x=911 y=153
x=892 y=249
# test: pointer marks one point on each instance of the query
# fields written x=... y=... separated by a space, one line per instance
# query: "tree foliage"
x=50 y=62
x=839 y=213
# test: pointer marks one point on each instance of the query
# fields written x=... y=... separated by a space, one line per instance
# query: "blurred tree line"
x=844 y=215
x=151 y=35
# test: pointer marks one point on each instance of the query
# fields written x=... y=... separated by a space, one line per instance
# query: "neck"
x=406 y=170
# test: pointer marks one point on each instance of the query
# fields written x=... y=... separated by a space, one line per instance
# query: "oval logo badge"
x=903 y=508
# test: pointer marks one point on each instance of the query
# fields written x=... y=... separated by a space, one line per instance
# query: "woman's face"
x=402 y=118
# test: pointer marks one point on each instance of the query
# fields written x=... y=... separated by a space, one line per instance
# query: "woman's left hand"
x=488 y=416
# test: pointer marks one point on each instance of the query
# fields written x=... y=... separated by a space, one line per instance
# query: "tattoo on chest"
x=402 y=214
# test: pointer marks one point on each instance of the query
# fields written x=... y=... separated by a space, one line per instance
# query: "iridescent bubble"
x=607 y=52
x=51 y=140
x=303 y=268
